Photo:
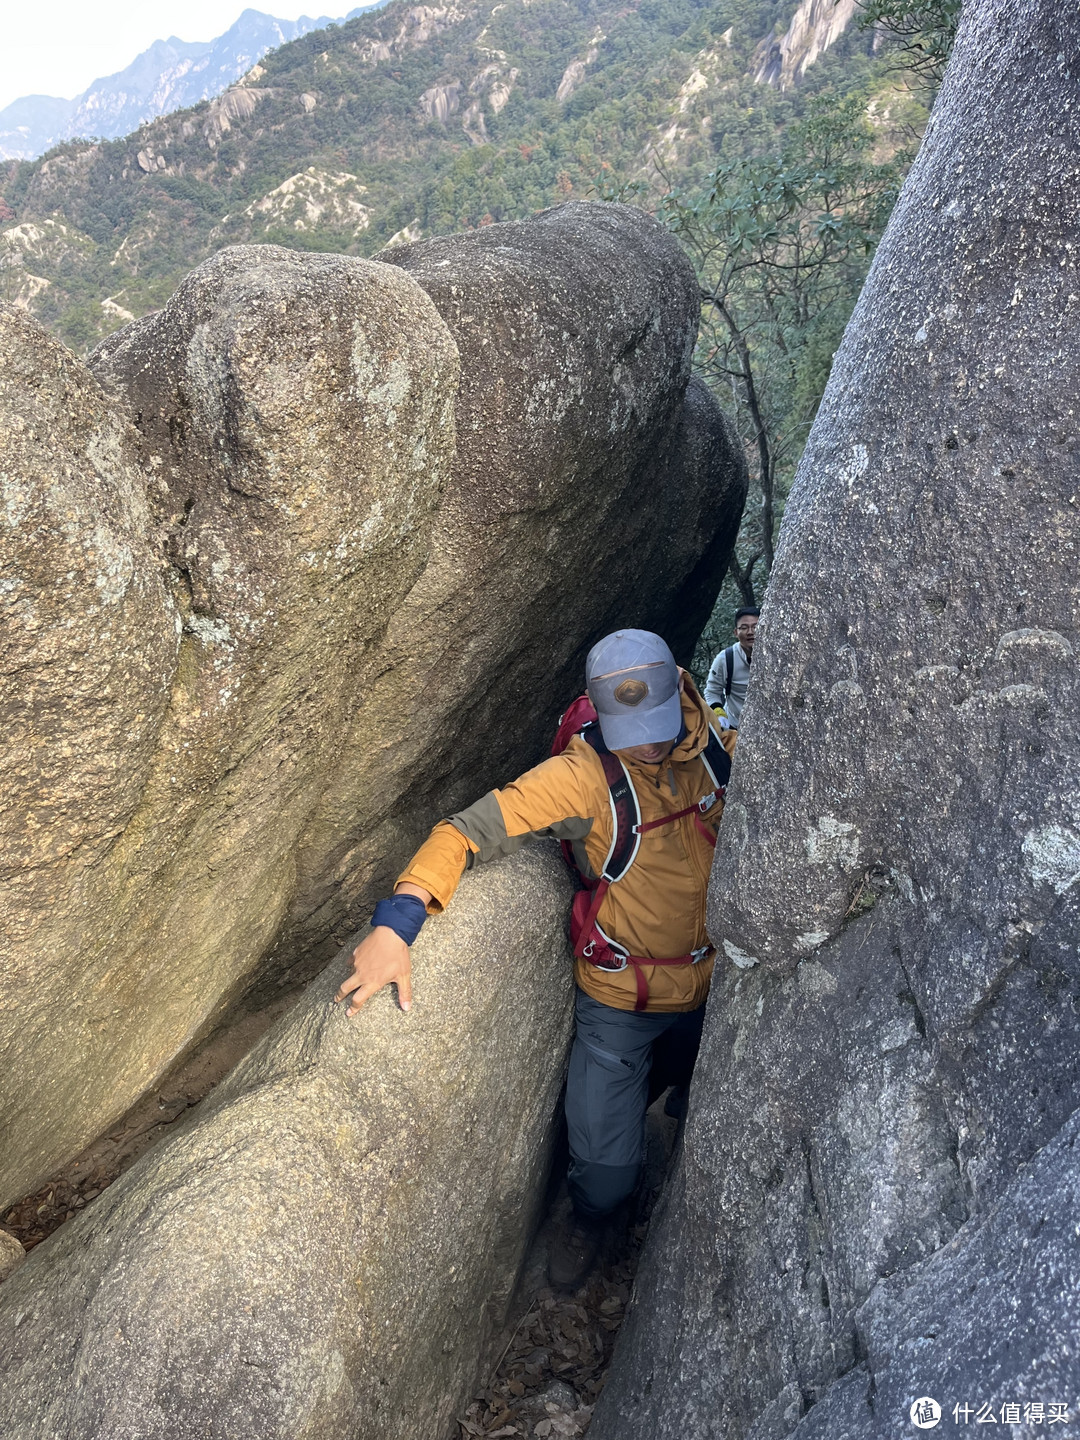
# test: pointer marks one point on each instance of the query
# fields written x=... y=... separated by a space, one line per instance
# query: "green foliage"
x=923 y=30
x=782 y=243
x=368 y=122
x=778 y=195
x=783 y=239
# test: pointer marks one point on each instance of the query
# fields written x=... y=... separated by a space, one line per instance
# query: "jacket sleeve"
x=439 y=864
x=714 y=684
x=547 y=800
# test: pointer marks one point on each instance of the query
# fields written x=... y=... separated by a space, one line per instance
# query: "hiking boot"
x=573 y=1251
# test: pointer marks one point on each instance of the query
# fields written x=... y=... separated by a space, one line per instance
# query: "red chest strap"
x=696 y=810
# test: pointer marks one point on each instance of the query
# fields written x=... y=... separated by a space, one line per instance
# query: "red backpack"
x=589 y=941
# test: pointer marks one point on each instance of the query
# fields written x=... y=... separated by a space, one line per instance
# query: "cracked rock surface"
x=879 y=1167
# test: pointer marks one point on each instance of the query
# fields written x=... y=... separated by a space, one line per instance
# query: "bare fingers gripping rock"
x=381 y=958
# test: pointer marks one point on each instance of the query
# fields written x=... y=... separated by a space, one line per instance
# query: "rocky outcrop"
x=232 y=105
x=574 y=73
x=814 y=28
x=45 y=245
x=441 y=101
x=414 y=27
x=327 y=200
x=876 y=1201
x=299 y=623
x=330 y=1248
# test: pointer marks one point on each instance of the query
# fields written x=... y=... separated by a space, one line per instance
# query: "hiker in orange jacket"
x=643 y=960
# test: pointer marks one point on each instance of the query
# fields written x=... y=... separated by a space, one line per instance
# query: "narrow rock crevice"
x=558 y=1347
x=149 y=1121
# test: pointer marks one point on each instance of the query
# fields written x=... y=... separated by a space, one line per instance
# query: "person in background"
x=729 y=674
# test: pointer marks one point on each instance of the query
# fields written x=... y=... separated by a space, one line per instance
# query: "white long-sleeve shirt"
x=716 y=692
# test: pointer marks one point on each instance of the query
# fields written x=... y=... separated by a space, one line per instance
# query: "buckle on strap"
x=611 y=969
x=589 y=951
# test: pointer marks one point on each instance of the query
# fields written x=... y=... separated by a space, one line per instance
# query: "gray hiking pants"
x=608 y=1091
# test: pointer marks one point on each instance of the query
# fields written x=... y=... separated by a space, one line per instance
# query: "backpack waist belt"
x=594 y=946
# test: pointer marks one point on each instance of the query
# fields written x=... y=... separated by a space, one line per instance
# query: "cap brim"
x=647 y=727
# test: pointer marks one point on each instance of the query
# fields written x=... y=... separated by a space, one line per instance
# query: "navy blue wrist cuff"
x=404 y=914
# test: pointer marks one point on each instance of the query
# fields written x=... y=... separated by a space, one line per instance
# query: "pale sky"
x=60 y=48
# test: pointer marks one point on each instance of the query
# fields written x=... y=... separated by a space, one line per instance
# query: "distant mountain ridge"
x=171 y=75
x=418 y=119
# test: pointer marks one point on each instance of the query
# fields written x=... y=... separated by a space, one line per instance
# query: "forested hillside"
x=422 y=119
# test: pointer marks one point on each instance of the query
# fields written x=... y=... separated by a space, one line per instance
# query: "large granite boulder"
x=876 y=1199
x=329 y=1247
x=177 y=700
x=88 y=645
x=340 y=626
x=989 y=1325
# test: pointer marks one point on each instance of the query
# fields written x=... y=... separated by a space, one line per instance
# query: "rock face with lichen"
x=335 y=537
x=877 y=1197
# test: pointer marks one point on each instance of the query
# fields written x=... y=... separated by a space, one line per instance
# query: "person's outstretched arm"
x=539 y=802
x=382 y=956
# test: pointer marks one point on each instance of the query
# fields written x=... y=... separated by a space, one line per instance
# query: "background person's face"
x=745 y=630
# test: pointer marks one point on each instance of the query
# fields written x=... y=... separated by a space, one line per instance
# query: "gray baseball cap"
x=633 y=683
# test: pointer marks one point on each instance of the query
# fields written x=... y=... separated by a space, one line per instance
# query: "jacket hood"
x=696 y=715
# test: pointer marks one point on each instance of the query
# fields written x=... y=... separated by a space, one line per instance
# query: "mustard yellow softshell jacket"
x=658 y=907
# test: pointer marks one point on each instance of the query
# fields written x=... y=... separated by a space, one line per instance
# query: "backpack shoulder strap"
x=729 y=669
x=625 y=811
x=575 y=719
x=717 y=761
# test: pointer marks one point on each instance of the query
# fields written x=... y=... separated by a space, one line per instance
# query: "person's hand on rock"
x=381 y=958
